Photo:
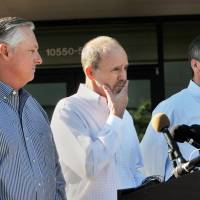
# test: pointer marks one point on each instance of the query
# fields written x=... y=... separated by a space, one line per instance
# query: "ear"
x=89 y=71
x=3 y=50
x=194 y=64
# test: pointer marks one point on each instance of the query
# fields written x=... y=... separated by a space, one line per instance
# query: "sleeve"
x=154 y=152
x=60 y=182
x=139 y=174
x=154 y=148
x=83 y=152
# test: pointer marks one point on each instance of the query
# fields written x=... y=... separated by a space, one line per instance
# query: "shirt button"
x=33 y=160
x=39 y=184
x=4 y=97
x=14 y=92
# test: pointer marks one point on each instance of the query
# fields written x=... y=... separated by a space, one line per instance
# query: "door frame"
x=149 y=72
x=74 y=76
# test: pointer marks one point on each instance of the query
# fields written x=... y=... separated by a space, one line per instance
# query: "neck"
x=89 y=84
x=196 y=80
x=7 y=77
x=11 y=82
x=94 y=87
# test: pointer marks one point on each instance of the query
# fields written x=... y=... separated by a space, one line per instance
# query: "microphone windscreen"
x=195 y=132
x=195 y=128
x=180 y=133
x=160 y=121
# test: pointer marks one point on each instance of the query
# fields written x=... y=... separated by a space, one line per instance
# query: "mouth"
x=118 y=87
x=120 y=84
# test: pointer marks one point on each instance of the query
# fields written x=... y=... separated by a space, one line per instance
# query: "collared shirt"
x=10 y=95
x=28 y=161
x=99 y=152
x=181 y=108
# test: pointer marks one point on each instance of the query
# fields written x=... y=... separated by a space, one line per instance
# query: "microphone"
x=160 y=123
x=187 y=167
x=190 y=134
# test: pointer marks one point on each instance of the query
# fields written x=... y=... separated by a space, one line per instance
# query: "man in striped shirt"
x=29 y=167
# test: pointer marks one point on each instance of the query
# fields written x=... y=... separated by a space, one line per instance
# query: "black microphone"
x=190 y=134
x=187 y=167
x=160 y=122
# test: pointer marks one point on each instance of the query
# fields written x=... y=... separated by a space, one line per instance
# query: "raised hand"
x=117 y=102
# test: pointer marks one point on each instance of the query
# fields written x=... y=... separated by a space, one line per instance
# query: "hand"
x=117 y=102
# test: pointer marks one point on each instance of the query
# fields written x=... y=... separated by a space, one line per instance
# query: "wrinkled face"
x=195 y=64
x=111 y=71
x=24 y=58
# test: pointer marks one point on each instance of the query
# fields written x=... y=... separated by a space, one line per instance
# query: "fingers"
x=107 y=91
x=124 y=90
x=106 y=88
x=117 y=102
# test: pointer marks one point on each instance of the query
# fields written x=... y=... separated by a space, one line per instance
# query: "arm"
x=154 y=147
x=60 y=182
x=86 y=153
x=154 y=151
x=138 y=174
x=83 y=154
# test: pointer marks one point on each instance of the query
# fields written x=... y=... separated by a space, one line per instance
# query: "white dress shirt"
x=181 y=108
x=99 y=152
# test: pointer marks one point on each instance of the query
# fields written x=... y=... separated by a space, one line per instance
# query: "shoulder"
x=174 y=102
x=127 y=115
x=39 y=107
x=68 y=108
x=174 y=107
x=67 y=103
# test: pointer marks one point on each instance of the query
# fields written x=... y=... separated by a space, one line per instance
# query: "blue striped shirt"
x=29 y=168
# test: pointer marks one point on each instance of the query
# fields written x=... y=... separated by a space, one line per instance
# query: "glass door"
x=49 y=86
x=48 y=94
x=144 y=94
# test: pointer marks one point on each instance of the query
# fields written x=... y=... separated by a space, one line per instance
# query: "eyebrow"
x=123 y=65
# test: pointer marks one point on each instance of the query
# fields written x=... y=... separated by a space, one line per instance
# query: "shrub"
x=141 y=116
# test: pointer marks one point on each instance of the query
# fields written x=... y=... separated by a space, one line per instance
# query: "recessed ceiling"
x=80 y=9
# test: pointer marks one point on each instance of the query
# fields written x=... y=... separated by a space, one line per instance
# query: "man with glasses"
x=29 y=167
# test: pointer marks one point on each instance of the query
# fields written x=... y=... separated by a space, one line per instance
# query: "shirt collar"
x=194 y=89
x=6 y=90
x=88 y=94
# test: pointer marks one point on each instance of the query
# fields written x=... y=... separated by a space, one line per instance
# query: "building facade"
x=156 y=47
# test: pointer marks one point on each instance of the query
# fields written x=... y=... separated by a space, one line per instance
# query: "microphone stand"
x=173 y=149
x=187 y=167
x=172 y=157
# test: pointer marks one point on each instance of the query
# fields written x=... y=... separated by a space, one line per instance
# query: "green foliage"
x=141 y=116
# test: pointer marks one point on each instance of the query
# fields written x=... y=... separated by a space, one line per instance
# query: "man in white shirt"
x=94 y=134
x=181 y=108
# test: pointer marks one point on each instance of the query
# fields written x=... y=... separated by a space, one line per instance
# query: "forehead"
x=28 y=37
x=115 y=57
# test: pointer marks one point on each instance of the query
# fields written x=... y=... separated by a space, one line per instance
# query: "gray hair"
x=194 y=49
x=94 y=50
x=10 y=32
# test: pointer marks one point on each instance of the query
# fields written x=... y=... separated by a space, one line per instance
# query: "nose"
x=123 y=75
x=38 y=59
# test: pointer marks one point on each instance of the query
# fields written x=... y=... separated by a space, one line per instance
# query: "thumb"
x=108 y=92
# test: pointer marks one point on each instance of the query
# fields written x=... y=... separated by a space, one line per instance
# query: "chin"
x=31 y=78
x=117 y=90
